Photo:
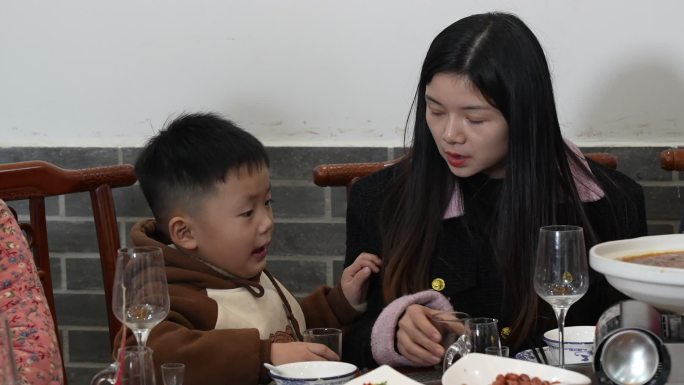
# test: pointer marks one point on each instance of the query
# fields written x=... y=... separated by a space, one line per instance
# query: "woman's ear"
x=180 y=232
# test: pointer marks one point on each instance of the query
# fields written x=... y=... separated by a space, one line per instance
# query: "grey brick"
x=298 y=162
x=78 y=205
x=89 y=346
x=130 y=202
x=308 y=239
x=70 y=236
x=84 y=274
x=661 y=229
x=299 y=276
x=65 y=157
x=56 y=272
x=298 y=201
x=81 y=376
x=338 y=204
x=399 y=151
x=664 y=203
x=338 y=267
x=81 y=309
x=127 y=236
x=639 y=163
x=22 y=206
x=130 y=154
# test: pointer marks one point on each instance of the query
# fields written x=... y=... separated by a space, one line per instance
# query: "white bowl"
x=660 y=287
x=482 y=369
x=314 y=373
x=579 y=343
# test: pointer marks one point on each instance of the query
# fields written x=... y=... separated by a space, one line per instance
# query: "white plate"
x=482 y=369
x=661 y=287
x=382 y=374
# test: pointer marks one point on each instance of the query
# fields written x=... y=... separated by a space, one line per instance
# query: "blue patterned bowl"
x=578 y=347
x=314 y=373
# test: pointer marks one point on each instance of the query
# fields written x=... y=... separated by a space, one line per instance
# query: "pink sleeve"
x=385 y=327
x=23 y=304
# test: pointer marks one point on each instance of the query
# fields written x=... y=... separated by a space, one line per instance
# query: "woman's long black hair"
x=502 y=58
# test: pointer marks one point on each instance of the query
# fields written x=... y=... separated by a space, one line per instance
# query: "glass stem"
x=560 y=317
x=141 y=336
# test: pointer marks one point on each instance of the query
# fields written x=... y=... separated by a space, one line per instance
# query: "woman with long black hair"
x=460 y=214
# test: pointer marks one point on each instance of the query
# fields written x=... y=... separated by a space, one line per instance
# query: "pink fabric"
x=587 y=189
x=385 y=327
x=23 y=304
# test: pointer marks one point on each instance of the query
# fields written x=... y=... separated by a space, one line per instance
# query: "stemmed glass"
x=561 y=275
x=140 y=296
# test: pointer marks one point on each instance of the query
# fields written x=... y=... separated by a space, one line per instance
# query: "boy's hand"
x=283 y=353
x=354 y=279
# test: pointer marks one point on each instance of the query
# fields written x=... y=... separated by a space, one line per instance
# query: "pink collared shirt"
x=587 y=189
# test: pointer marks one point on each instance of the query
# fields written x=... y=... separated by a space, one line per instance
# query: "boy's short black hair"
x=187 y=158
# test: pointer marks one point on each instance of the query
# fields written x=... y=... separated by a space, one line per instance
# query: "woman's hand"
x=283 y=353
x=418 y=340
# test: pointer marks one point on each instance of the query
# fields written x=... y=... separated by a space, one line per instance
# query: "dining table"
x=432 y=375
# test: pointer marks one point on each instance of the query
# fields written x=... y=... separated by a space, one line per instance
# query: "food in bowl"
x=482 y=369
x=658 y=286
x=519 y=379
x=578 y=347
x=314 y=373
x=667 y=259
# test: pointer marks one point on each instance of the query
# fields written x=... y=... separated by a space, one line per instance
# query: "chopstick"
x=536 y=355
x=540 y=356
x=542 y=353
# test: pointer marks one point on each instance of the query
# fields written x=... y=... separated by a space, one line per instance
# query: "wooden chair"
x=345 y=174
x=36 y=180
x=672 y=159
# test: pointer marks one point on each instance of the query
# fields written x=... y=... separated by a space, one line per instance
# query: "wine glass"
x=141 y=296
x=136 y=368
x=561 y=275
x=172 y=373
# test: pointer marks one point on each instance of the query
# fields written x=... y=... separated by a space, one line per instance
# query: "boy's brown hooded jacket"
x=222 y=327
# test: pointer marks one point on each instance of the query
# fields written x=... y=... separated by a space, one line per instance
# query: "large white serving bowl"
x=314 y=373
x=661 y=287
x=482 y=369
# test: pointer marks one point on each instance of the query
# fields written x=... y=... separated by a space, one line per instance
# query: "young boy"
x=207 y=182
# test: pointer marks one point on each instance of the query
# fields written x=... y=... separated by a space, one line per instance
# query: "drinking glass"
x=140 y=296
x=329 y=337
x=137 y=368
x=561 y=275
x=483 y=333
x=172 y=373
x=478 y=334
x=8 y=368
x=451 y=326
x=494 y=351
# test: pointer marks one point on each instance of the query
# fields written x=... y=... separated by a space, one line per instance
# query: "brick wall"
x=308 y=245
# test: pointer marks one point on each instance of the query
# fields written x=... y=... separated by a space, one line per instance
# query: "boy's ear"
x=180 y=233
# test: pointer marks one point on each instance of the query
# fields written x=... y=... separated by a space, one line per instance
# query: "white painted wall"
x=317 y=72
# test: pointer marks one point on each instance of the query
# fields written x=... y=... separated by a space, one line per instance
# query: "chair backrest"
x=36 y=180
x=672 y=159
x=345 y=174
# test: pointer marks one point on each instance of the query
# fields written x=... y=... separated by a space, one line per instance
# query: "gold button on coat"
x=438 y=284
